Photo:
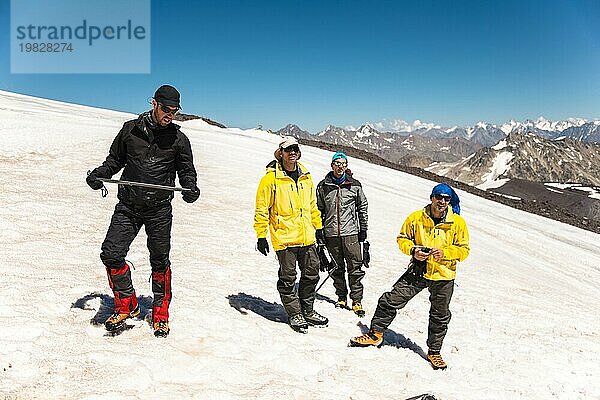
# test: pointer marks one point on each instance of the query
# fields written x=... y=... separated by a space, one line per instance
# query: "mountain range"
x=515 y=159
x=553 y=151
x=576 y=128
x=529 y=157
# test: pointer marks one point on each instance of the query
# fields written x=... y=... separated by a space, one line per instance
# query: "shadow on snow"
x=398 y=340
x=107 y=305
x=271 y=311
x=325 y=299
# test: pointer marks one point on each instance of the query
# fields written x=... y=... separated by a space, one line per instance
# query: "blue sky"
x=315 y=63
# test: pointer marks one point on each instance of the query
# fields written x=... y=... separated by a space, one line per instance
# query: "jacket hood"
x=275 y=166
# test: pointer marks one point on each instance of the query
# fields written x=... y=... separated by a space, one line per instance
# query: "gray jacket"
x=343 y=208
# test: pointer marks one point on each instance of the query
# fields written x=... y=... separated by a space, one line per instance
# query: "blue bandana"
x=340 y=180
x=442 y=188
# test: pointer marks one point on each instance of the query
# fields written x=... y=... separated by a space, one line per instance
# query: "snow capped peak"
x=541 y=123
x=366 y=130
x=418 y=124
x=326 y=130
x=509 y=126
x=500 y=145
x=396 y=125
x=401 y=126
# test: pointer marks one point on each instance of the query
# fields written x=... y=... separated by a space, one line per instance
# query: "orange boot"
x=371 y=338
x=436 y=360
x=117 y=320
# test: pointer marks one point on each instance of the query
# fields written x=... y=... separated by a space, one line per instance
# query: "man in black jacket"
x=150 y=149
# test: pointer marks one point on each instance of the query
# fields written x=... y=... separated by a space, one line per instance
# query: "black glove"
x=191 y=195
x=320 y=236
x=263 y=246
x=93 y=182
x=324 y=263
x=362 y=236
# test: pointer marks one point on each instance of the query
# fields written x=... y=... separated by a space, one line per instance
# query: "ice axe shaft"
x=141 y=184
x=329 y=272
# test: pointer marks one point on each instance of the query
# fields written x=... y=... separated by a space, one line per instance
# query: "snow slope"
x=524 y=324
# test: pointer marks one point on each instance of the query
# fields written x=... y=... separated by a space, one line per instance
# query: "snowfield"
x=525 y=322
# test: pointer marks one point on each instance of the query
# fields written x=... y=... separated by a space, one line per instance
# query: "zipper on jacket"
x=337 y=208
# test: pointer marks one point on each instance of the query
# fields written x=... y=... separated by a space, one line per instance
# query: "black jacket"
x=149 y=156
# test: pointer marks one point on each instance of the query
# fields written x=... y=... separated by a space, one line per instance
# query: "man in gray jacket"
x=343 y=207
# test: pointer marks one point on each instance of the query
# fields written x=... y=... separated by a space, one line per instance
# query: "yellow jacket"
x=451 y=235
x=288 y=208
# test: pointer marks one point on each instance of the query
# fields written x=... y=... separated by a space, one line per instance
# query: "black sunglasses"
x=168 y=110
x=442 y=197
x=292 y=148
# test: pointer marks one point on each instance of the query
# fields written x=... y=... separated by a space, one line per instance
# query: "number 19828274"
x=45 y=47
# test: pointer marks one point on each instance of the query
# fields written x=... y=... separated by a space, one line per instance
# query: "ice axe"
x=142 y=184
x=104 y=191
x=329 y=270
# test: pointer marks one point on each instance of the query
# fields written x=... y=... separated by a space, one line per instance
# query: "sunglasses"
x=168 y=110
x=340 y=164
x=442 y=197
x=292 y=148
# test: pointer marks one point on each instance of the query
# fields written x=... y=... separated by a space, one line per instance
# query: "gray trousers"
x=346 y=252
x=440 y=293
x=308 y=263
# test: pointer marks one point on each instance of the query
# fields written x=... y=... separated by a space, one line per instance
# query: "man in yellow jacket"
x=286 y=206
x=437 y=238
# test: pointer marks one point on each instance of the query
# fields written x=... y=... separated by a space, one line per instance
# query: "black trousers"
x=124 y=226
x=308 y=262
x=346 y=252
x=440 y=293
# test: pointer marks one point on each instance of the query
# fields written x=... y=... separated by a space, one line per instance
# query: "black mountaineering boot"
x=298 y=323
x=313 y=318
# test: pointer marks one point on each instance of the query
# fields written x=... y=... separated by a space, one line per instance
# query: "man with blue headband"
x=436 y=237
x=343 y=208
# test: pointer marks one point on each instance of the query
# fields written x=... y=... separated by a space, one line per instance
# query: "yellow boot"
x=116 y=321
x=371 y=338
x=358 y=309
x=436 y=360
x=341 y=303
x=161 y=328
